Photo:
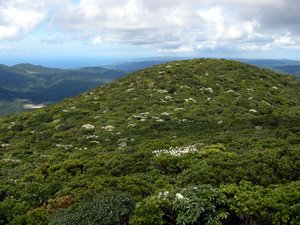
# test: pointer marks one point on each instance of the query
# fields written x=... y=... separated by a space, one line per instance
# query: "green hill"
x=189 y=142
x=38 y=84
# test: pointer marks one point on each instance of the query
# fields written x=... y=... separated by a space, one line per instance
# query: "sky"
x=73 y=33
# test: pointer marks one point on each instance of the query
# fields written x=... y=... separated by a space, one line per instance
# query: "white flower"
x=163 y=194
x=88 y=126
x=176 y=151
x=252 y=110
x=10 y=160
x=130 y=89
x=179 y=196
x=190 y=100
x=88 y=137
x=4 y=145
x=160 y=91
x=267 y=103
x=131 y=125
x=63 y=146
x=108 y=128
x=165 y=114
x=122 y=145
x=184 y=86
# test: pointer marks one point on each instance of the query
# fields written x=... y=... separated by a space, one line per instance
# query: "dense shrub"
x=108 y=209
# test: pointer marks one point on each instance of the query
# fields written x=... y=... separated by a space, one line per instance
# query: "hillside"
x=138 y=65
x=189 y=142
x=41 y=85
x=278 y=65
x=281 y=66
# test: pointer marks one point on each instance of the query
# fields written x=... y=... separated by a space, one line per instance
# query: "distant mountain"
x=291 y=67
x=270 y=62
x=138 y=65
x=39 y=84
x=199 y=141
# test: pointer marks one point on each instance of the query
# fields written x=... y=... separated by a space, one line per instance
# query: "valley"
x=40 y=85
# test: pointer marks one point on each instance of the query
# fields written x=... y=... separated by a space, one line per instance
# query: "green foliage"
x=38 y=216
x=108 y=209
x=258 y=205
x=149 y=211
x=202 y=123
x=191 y=205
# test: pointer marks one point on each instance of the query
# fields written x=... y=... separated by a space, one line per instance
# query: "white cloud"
x=276 y=42
x=165 y=25
x=155 y=23
x=19 y=17
x=206 y=45
x=285 y=40
x=223 y=26
x=256 y=47
x=97 y=40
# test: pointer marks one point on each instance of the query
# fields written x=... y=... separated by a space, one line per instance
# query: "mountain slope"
x=182 y=126
x=282 y=66
x=47 y=85
x=134 y=66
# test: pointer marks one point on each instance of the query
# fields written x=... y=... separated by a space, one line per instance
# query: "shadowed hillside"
x=37 y=84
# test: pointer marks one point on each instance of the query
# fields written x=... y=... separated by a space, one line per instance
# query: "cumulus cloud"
x=184 y=24
x=224 y=26
x=166 y=25
x=19 y=17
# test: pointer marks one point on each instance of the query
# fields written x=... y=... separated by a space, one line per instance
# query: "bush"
x=109 y=209
x=192 y=205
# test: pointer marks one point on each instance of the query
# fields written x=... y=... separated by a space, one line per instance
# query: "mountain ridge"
x=43 y=85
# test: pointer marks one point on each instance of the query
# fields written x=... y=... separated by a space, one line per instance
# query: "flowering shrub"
x=192 y=205
x=177 y=151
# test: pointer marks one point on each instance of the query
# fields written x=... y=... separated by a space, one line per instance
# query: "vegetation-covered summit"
x=189 y=142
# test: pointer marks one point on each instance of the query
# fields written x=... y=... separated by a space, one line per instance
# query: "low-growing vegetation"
x=189 y=142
